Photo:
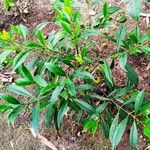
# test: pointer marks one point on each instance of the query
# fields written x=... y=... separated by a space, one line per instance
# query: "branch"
x=42 y=139
x=145 y=15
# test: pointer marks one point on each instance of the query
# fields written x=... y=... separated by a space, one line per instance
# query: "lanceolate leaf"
x=123 y=60
x=66 y=27
x=26 y=73
x=40 y=81
x=41 y=37
x=107 y=72
x=3 y=107
x=119 y=133
x=10 y=99
x=19 y=90
x=147 y=131
x=133 y=136
x=48 y=88
x=138 y=101
x=101 y=107
x=33 y=45
x=105 y=10
x=55 y=69
x=113 y=127
x=122 y=30
x=23 y=82
x=83 y=74
x=71 y=87
x=4 y=55
x=134 y=9
x=55 y=94
x=50 y=108
x=105 y=127
x=49 y=113
x=61 y=114
x=39 y=28
x=20 y=58
x=85 y=106
x=16 y=111
x=24 y=30
x=132 y=75
x=35 y=118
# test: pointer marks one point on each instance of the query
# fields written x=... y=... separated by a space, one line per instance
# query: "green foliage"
x=8 y=4
x=65 y=77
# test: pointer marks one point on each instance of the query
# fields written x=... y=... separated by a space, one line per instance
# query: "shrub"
x=65 y=77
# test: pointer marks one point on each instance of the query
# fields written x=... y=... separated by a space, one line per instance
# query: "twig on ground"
x=42 y=139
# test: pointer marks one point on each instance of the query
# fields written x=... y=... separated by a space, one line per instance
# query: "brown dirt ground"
x=19 y=136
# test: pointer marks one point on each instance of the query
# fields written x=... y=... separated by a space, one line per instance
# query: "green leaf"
x=113 y=127
x=121 y=33
x=119 y=133
x=18 y=90
x=95 y=126
x=58 y=37
x=33 y=45
x=122 y=19
x=93 y=95
x=23 y=82
x=4 y=55
x=71 y=87
x=123 y=60
x=55 y=94
x=40 y=81
x=132 y=98
x=145 y=107
x=61 y=114
x=66 y=27
x=145 y=49
x=24 y=30
x=16 y=111
x=94 y=2
x=10 y=99
x=20 y=58
x=83 y=52
x=134 y=9
x=50 y=109
x=137 y=33
x=133 y=136
x=89 y=33
x=105 y=11
x=87 y=125
x=35 y=118
x=85 y=87
x=26 y=73
x=147 y=122
x=8 y=4
x=83 y=74
x=49 y=114
x=41 y=37
x=85 y=106
x=147 y=132
x=52 y=67
x=2 y=107
x=133 y=79
x=48 y=88
x=113 y=9
x=138 y=101
x=117 y=93
x=107 y=72
x=105 y=127
x=39 y=28
x=91 y=124
x=101 y=108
